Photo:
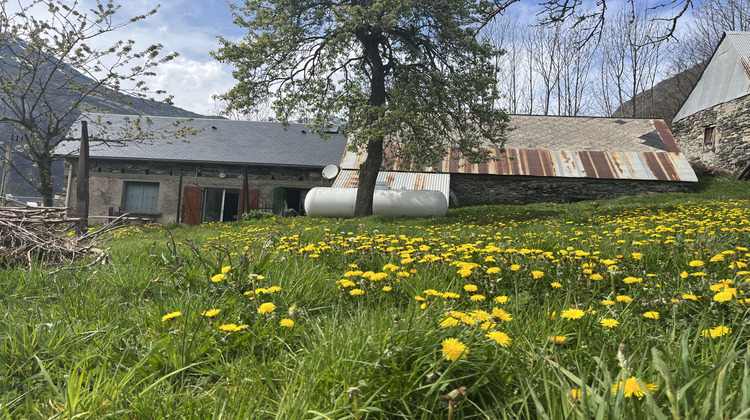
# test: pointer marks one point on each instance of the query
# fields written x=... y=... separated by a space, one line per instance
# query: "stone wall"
x=474 y=190
x=107 y=179
x=731 y=145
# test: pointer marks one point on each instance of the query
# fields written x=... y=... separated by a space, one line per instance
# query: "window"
x=140 y=197
x=709 y=136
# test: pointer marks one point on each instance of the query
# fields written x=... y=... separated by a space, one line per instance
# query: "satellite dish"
x=330 y=171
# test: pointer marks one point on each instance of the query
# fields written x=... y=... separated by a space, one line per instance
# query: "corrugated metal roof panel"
x=662 y=166
x=572 y=147
x=726 y=77
x=400 y=180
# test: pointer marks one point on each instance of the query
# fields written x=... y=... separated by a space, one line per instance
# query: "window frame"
x=140 y=208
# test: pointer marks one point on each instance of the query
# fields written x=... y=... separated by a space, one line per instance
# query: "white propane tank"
x=339 y=202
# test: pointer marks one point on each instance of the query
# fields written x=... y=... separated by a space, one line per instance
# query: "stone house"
x=552 y=159
x=713 y=125
x=220 y=170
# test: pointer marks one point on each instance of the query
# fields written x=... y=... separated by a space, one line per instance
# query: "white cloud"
x=192 y=82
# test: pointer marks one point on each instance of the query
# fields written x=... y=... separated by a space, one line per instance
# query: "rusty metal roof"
x=644 y=151
x=726 y=77
x=348 y=178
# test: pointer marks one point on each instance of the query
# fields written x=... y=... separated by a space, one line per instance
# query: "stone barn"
x=220 y=170
x=713 y=125
x=551 y=159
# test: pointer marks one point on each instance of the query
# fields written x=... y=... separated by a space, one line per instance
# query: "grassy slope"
x=92 y=342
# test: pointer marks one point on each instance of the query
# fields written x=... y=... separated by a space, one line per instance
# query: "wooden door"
x=191 y=202
x=251 y=200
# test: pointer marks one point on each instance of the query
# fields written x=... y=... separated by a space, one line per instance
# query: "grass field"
x=632 y=308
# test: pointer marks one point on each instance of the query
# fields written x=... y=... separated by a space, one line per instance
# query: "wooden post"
x=82 y=183
x=180 y=212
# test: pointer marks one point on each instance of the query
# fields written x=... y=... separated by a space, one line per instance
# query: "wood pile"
x=42 y=235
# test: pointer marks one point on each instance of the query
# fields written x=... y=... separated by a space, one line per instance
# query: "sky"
x=190 y=28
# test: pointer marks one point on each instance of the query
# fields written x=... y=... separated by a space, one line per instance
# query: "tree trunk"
x=44 y=165
x=368 y=170
x=368 y=176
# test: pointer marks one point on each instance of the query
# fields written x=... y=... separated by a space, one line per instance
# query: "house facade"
x=221 y=169
x=552 y=159
x=713 y=125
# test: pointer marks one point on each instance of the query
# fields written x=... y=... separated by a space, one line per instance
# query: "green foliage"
x=256 y=215
x=137 y=337
x=409 y=77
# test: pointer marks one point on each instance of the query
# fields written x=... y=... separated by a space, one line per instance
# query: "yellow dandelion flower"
x=716 y=332
x=232 y=327
x=687 y=296
x=449 y=322
x=537 y=274
x=717 y=287
x=556 y=285
x=651 y=315
x=477 y=298
x=717 y=258
x=274 y=289
x=501 y=300
x=609 y=322
x=225 y=269
x=378 y=276
x=501 y=315
x=724 y=296
x=171 y=315
x=500 y=338
x=557 y=339
x=623 y=298
x=211 y=313
x=470 y=288
x=346 y=283
x=596 y=276
x=493 y=270
x=572 y=314
x=630 y=280
x=696 y=263
x=451 y=295
x=387 y=288
x=576 y=393
x=266 y=308
x=488 y=325
x=454 y=349
x=287 y=323
x=636 y=255
x=631 y=388
x=515 y=267
x=480 y=315
x=608 y=302
x=218 y=277
x=356 y=292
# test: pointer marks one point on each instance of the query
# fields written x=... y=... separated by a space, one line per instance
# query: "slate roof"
x=216 y=141
x=726 y=77
x=572 y=147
